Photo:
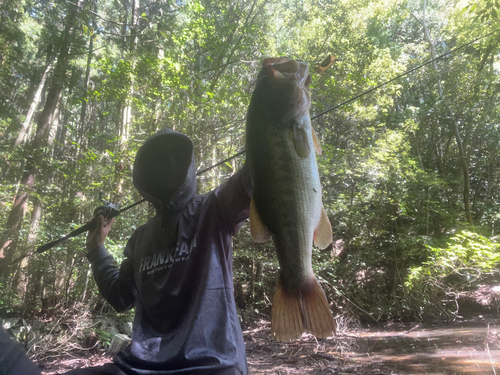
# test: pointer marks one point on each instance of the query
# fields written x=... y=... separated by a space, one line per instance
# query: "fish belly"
x=287 y=195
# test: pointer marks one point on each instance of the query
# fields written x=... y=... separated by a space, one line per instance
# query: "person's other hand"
x=97 y=236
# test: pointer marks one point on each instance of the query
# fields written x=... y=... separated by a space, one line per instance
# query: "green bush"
x=8 y=300
x=465 y=262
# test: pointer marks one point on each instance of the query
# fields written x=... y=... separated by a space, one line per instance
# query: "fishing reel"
x=108 y=209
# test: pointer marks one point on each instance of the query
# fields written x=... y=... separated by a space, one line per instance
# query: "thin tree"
x=454 y=122
x=10 y=236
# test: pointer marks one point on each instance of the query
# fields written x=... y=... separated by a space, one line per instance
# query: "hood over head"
x=165 y=171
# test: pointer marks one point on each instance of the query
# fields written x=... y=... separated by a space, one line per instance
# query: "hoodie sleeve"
x=117 y=285
x=13 y=360
x=233 y=200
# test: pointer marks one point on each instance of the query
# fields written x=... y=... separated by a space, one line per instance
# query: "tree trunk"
x=23 y=135
x=10 y=236
x=127 y=106
x=54 y=126
x=86 y=284
x=70 y=266
x=60 y=143
x=21 y=278
x=258 y=290
x=454 y=124
x=33 y=279
x=83 y=112
x=34 y=286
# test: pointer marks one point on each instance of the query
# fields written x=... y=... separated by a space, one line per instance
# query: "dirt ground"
x=462 y=347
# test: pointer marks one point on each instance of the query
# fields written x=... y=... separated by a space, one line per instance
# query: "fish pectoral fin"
x=300 y=141
x=323 y=235
x=259 y=231
x=316 y=142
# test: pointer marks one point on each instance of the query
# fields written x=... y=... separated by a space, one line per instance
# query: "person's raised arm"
x=117 y=285
x=233 y=199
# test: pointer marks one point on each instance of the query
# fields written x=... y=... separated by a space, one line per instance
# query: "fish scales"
x=290 y=206
x=286 y=202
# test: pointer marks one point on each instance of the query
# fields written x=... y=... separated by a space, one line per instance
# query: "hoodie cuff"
x=97 y=253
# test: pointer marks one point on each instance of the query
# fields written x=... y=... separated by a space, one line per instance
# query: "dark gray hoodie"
x=177 y=270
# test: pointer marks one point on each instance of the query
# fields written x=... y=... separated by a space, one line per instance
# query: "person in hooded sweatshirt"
x=177 y=270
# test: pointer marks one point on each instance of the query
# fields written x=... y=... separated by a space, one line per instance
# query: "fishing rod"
x=109 y=210
x=403 y=74
x=380 y=85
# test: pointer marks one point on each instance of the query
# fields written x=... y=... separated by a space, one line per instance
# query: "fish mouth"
x=286 y=69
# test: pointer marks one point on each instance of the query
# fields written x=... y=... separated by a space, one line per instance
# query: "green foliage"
x=392 y=181
x=484 y=10
x=467 y=260
x=103 y=336
x=468 y=255
x=255 y=270
x=9 y=300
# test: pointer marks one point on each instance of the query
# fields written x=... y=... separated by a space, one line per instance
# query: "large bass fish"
x=286 y=203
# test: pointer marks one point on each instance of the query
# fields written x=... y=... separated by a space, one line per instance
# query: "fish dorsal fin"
x=323 y=235
x=300 y=141
x=316 y=142
x=259 y=231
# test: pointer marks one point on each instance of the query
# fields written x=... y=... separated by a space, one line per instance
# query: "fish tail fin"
x=286 y=315
x=307 y=310
x=318 y=318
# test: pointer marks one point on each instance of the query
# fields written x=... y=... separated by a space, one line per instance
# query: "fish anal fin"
x=286 y=316
x=259 y=231
x=323 y=235
x=300 y=141
x=318 y=319
x=316 y=142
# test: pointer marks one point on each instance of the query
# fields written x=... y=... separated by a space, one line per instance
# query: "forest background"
x=410 y=171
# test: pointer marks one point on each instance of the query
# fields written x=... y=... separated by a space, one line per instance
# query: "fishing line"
x=350 y=100
x=403 y=74
x=368 y=91
x=315 y=117
x=199 y=173
x=220 y=162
